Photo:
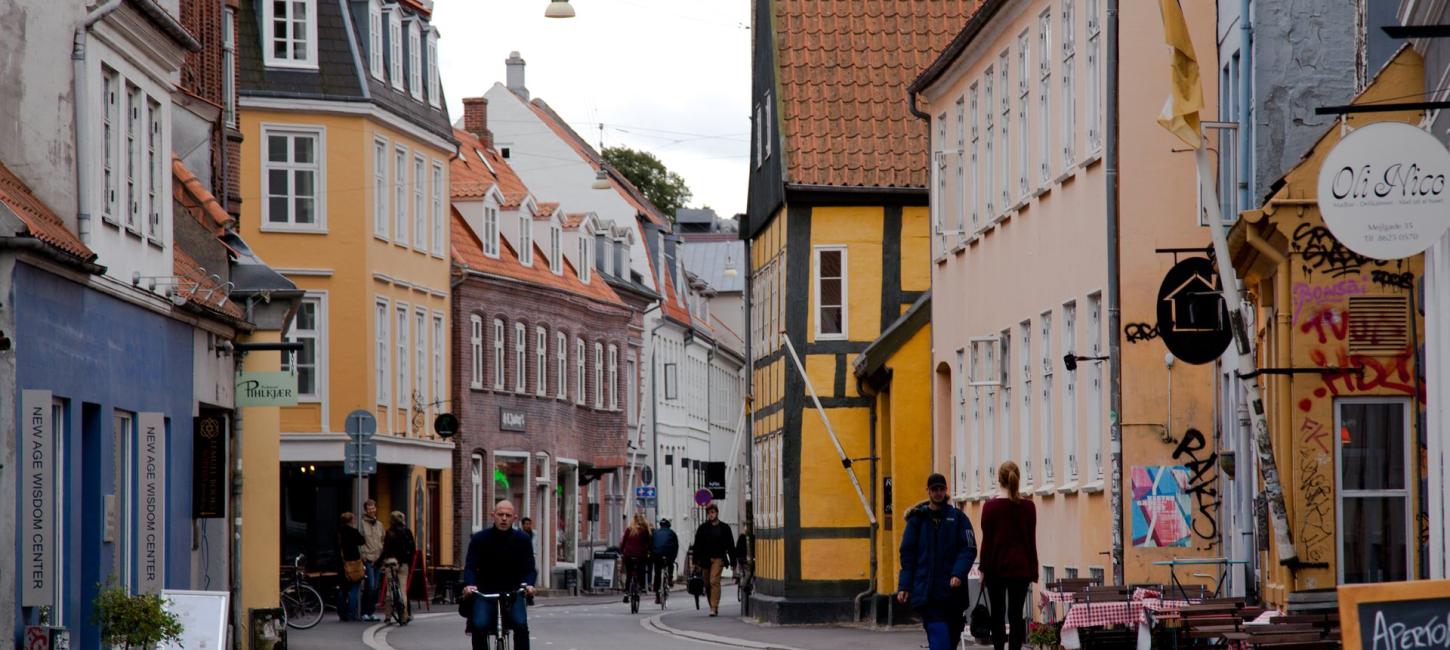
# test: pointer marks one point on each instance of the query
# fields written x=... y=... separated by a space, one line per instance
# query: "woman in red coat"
x=1009 y=556
x=635 y=550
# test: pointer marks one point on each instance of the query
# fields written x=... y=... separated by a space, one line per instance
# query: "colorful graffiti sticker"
x=1162 y=506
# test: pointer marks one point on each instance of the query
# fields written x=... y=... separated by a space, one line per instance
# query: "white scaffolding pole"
x=845 y=461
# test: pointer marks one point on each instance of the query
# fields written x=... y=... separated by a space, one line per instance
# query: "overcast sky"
x=671 y=77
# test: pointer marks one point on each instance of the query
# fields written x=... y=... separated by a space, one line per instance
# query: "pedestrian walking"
x=937 y=551
x=372 y=531
x=634 y=548
x=350 y=567
x=714 y=550
x=1009 y=557
x=397 y=558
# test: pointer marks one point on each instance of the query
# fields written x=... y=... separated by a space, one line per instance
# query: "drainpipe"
x=875 y=562
x=1115 y=316
x=1282 y=327
x=749 y=493
x=82 y=125
x=1246 y=68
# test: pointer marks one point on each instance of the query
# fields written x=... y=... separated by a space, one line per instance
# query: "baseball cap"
x=935 y=480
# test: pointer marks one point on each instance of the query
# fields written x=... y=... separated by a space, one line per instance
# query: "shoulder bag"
x=981 y=621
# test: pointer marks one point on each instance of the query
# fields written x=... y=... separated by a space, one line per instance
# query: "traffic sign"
x=360 y=458
x=350 y=466
x=361 y=424
x=645 y=492
x=647 y=475
x=703 y=497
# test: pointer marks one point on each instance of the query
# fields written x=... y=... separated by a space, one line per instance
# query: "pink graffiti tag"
x=1308 y=295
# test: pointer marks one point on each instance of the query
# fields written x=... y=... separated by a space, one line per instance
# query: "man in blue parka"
x=937 y=550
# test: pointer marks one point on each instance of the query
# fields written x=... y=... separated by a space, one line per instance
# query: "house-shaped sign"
x=1192 y=315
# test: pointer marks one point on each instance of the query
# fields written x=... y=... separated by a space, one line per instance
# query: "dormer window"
x=375 y=39
x=556 y=250
x=290 y=33
x=586 y=265
x=395 y=48
x=490 y=232
x=415 y=61
x=526 y=239
x=435 y=98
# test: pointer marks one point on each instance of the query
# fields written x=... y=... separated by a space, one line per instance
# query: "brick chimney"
x=475 y=119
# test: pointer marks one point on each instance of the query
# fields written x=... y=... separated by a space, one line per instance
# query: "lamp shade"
x=601 y=180
x=559 y=9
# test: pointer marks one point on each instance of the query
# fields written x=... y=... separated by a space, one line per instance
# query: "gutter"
x=36 y=245
x=1115 y=297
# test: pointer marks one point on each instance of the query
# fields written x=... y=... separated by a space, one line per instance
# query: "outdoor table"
x=1222 y=563
x=1135 y=612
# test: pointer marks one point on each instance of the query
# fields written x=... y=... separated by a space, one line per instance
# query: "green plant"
x=1042 y=635
x=137 y=621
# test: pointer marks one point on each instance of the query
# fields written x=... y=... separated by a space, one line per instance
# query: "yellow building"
x=345 y=157
x=838 y=230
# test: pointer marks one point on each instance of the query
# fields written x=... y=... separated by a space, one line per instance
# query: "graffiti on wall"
x=1323 y=253
x=1202 y=465
x=1310 y=297
x=1139 y=332
x=1316 y=528
x=1162 y=507
x=1355 y=373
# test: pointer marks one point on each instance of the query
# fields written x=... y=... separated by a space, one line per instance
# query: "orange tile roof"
x=201 y=204
x=468 y=252
x=581 y=146
x=843 y=68
x=546 y=210
x=471 y=178
x=574 y=220
x=41 y=222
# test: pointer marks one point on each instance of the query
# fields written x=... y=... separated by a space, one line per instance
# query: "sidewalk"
x=729 y=629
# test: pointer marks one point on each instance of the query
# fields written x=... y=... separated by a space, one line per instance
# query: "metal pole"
x=1115 y=306
x=735 y=446
x=845 y=461
x=238 y=624
x=1264 y=447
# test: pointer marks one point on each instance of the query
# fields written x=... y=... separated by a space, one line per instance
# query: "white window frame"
x=938 y=198
x=382 y=219
x=1024 y=343
x=156 y=197
x=475 y=349
x=765 y=128
x=401 y=225
x=135 y=170
x=1069 y=391
x=1403 y=493
x=375 y=39
x=1069 y=88
x=395 y=48
x=415 y=60
x=435 y=96
x=437 y=197
x=598 y=375
x=1095 y=386
x=420 y=207
x=1044 y=96
x=974 y=199
x=526 y=238
x=561 y=356
x=556 y=249
x=318 y=334
x=476 y=475
x=229 y=69
x=586 y=265
x=420 y=357
x=579 y=377
x=383 y=318
x=111 y=160
x=1004 y=171
x=401 y=339
x=963 y=202
x=1094 y=112
x=521 y=358
x=612 y=378
x=309 y=36
x=959 y=427
x=318 y=169
x=500 y=360
x=844 y=334
x=490 y=231
x=989 y=154
x=1046 y=449
x=541 y=354
x=1024 y=107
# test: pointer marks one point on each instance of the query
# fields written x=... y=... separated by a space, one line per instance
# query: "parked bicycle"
x=501 y=635
x=302 y=604
x=396 y=605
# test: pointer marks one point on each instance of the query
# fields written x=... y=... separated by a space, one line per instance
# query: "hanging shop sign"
x=151 y=503
x=1382 y=190
x=1395 y=615
x=266 y=389
x=37 y=521
x=510 y=420
x=715 y=479
x=1192 y=315
x=208 y=467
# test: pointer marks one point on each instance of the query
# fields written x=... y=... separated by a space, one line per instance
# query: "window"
x=229 y=67
x=963 y=199
x=1069 y=90
x=415 y=61
x=154 y=154
x=290 y=32
x=475 y=463
x=938 y=199
x=420 y=355
x=401 y=337
x=1046 y=357
x=561 y=367
x=134 y=170
x=490 y=232
x=1044 y=91
x=375 y=39
x=475 y=349
x=526 y=239
x=435 y=98
x=395 y=48
x=521 y=359
x=830 y=268
x=1024 y=135
x=384 y=346
x=556 y=249
x=586 y=265
x=293 y=178
x=1093 y=113
x=1373 y=457
x=765 y=128
x=759 y=150
x=973 y=193
x=598 y=376
x=110 y=163
x=1095 y=385
x=420 y=211
x=380 y=188
x=989 y=155
x=1069 y=389
x=437 y=208
x=579 y=371
x=613 y=377
x=306 y=329
x=631 y=394
x=400 y=196
x=541 y=351
x=498 y=357
x=959 y=437
x=1004 y=147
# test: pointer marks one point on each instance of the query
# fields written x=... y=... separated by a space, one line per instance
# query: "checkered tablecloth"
x=1119 y=613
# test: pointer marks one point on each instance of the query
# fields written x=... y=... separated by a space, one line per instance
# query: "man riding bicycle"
x=500 y=559
x=664 y=548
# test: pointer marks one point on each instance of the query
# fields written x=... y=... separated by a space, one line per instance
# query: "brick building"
x=541 y=383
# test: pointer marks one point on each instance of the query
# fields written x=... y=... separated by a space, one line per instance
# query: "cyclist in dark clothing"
x=664 y=548
x=499 y=560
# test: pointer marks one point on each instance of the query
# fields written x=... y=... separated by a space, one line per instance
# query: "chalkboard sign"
x=1396 y=615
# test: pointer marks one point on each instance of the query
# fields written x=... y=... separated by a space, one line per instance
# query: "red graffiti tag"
x=1315 y=433
x=1335 y=320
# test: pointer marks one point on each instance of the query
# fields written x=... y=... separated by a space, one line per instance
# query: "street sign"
x=350 y=466
x=446 y=425
x=647 y=475
x=1382 y=191
x=1192 y=314
x=715 y=479
x=645 y=492
x=361 y=424
x=360 y=458
x=703 y=497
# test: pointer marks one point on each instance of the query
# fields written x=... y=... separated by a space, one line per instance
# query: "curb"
x=657 y=625
x=376 y=636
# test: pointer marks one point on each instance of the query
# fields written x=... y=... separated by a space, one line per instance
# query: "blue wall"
x=102 y=354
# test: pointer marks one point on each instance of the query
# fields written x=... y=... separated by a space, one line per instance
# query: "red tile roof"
x=574 y=220
x=581 y=146
x=194 y=197
x=198 y=285
x=843 y=68
x=546 y=210
x=470 y=178
x=468 y=252
x=40 y=221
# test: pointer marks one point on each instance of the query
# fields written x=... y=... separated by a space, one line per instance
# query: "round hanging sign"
x=1192 y=315
x=1382 y=190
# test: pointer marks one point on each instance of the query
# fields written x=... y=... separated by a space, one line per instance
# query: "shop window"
x=1373 y=457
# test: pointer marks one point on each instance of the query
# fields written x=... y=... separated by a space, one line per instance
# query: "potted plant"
x=1042 y=635
x=134 y=622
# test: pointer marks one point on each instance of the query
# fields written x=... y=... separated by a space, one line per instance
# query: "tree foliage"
x=664 y=188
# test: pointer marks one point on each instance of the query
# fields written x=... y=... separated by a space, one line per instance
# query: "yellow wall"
x=915 y=249
x=905 y=442
x=261 y=528
x=859 y=230
x=835 y=559
x=827 y=498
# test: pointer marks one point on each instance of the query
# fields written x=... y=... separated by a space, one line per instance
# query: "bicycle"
x=664 y=579
x=634 y=589
x=744 y=581
x=397 y=606
x=502 y=636
x=302 y=604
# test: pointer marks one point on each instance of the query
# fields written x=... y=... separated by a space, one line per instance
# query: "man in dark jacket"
x=937 y=551
x=664 y=548
x=500 y=559
x=714 y=547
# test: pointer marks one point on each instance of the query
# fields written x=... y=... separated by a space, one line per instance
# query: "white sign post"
x=1382 y=190
x=37 y=523
x=151 y=559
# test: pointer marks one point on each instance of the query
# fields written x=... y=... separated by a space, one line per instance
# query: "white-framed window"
x=229 y=68
x=1004 y=146
x=758 y=151
x=556 y=249
x=521 y=359
x=400 y=196
x=612 y=390
x=1069 y=89
x=308 y=328
x=289 y=33
x=959 y=428
x=435 y=97
x=415 y=61
x=475 y=349
x=631 y=393
x=973 y=188
x=437 y=204
x=375 y=39
x=111 y=161
x=1046 y=448
x=420 y=358
x=475 y=463
x=1069 y=390
x=1095 y=385
x=964 y=201
x=294 y=178
x=541 y=354
x=1093 y=113
x=586 y=261
x=380 y=188
x=579 y=376
x=1005 y=403
x=1024 y=336
x=561 y=364
x=1374 y=455
x=938 y=198
x=155 y=195
x=598 y=376
x=420 y=209
x=831 y=291
x=499 y=359
x=989 y=154
x=135 y=169
x=490 y=232
x=1024 y=103
x=401 y=339
x=526 y=238
x=383 y=346
x=1044 y=95
x=765 y=128
x=395 y=48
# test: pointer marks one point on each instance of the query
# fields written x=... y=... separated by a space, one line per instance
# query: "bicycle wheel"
x=302 y=606
x=634 y=601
